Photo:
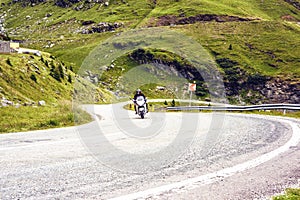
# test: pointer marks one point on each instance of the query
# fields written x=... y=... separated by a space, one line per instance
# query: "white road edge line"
x=191 y=183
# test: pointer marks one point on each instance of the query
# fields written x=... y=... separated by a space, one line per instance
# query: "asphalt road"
x=164 y=156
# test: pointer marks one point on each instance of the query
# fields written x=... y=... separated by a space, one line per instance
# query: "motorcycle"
x=141 y=109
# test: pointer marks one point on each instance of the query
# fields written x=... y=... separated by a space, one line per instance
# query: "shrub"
x=61 y=71
x=173 y=103
x=33 y=77
x=54 y=72
x=69 y=78
x=52 y=122
x=9 y=62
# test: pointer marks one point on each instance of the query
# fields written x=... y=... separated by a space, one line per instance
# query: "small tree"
x=54 y=72
x=46 y=63
x=69 y=78
x=61 y=71
x=173 y=103
x=166 y=103
x=9 y=62
x=7 y=38
x=33 y=77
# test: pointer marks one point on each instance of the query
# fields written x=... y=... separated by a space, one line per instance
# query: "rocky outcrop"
x=278 y=90
x=2 y=29
x=76 y=4
x=256 y=88
x=294 y=3
x=241 y=87
x=168 y=20
x=3 y=32
x=189 y=72
x=66 y=3
x=93 y=78
x=5 y=102
x=101 y=27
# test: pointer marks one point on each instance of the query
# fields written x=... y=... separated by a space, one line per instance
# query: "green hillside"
x=255 y=44
x=62 y=27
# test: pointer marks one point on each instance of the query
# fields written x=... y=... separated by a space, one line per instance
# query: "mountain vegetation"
x=255 y=45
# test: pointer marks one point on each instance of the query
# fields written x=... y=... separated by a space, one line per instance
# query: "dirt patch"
x=168 y=20
x=289 y=18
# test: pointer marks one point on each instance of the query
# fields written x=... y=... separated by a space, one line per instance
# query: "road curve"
x=165 y=156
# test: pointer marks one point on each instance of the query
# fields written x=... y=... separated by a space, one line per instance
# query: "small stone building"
x=5 y=47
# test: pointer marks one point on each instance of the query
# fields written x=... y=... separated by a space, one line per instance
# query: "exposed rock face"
x=240 y=86
x=66 y=3
x=179 y=20
x=256 y=88
x=282 y=91
x=2 y=30
x=3 y=33
x=93 y=78
x=189 y=72
x=5 y=102
x=176 y=66
x=41 y=103
x=85 y=4
x=101 y=27
x=294 y=3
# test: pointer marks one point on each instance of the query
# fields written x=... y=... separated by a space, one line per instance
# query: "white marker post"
x=192 y=88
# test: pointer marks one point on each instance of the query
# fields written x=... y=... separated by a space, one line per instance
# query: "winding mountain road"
x=164 y=156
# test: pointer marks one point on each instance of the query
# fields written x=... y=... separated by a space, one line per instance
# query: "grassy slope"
x=61 y=28
x=267 y=10
x=18 y=85
x=271 y=33
x=28 y=118
x=274 y=45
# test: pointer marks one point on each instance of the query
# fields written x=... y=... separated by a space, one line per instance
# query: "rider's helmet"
x=138 y=91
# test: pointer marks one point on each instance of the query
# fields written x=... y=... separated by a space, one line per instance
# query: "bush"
x=9 y=62
x=52 y=122
x=173 y=103
x=69 y=78
x=33 y=77
x=54 y=72
x=61 y=71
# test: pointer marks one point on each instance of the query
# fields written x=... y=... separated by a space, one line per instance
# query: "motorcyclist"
x=137 y=94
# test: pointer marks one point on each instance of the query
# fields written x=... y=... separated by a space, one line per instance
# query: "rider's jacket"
x=137 y=95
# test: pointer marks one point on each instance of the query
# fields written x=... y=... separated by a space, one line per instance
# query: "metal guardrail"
x=238 y=108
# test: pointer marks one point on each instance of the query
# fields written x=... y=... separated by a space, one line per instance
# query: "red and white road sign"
x=192 y=87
